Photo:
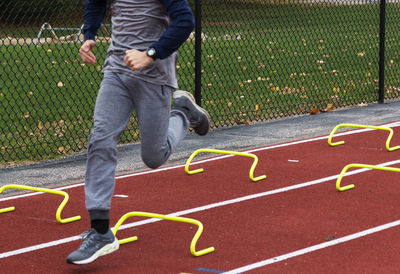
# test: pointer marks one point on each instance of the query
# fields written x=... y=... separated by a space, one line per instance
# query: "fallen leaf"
x=40 y=125
x=329 y=107
x=61 y=150
x=314 y=111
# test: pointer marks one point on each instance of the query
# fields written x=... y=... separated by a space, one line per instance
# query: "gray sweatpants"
x=161 y=130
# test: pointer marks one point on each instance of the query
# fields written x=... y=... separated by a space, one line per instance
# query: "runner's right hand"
x=86 y=52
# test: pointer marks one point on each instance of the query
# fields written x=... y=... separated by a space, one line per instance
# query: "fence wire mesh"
x=261 y=60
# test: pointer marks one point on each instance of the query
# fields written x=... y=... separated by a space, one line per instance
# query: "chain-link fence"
x=259 y=60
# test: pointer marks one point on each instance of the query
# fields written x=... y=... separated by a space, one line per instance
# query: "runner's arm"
x=182 y=24
x=94 y=14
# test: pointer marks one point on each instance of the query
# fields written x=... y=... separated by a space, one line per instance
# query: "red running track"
x=283 y=224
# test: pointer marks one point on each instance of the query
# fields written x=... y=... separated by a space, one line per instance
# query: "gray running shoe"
x=198 y=117
x=93 y=246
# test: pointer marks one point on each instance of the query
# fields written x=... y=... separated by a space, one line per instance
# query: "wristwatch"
x=151 y=52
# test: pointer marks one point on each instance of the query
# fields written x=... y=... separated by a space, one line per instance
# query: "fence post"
x=381 y=90
x=197 y=54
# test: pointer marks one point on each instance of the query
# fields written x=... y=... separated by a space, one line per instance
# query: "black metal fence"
x=248 y=61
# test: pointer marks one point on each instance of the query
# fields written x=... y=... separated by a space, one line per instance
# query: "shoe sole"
x=181 y=93
x=105 y=250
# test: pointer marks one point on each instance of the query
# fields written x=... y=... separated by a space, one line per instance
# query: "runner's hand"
x=86 y=52
x=136 y=60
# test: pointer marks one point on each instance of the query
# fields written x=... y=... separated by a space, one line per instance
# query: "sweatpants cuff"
x=99 y=214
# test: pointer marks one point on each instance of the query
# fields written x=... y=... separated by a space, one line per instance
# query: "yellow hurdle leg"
x=253 y=166
x=363 y=126
x=46 y=190
x=7 y=209
x=165 y=217
x=339 y=179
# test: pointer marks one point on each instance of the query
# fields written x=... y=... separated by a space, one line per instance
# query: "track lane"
x=177 y=189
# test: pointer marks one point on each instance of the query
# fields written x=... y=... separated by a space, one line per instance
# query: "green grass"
x=299 y=58
x=45 y=100
x=264 y=62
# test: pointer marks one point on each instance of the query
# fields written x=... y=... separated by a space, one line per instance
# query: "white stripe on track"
x=313 y=248
x=37 y=247
x=197 y=209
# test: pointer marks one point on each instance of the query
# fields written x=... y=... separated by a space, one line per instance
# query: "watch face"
x=151 y=52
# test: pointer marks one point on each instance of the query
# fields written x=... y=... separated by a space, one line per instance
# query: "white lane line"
x=393 y=124
x=313 y=248
x=37 y=247
x=197 y=209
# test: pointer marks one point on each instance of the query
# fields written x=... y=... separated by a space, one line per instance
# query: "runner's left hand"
x=136 y=60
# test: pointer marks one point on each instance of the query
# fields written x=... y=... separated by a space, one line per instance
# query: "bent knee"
x=152 y=163
x=154 y=159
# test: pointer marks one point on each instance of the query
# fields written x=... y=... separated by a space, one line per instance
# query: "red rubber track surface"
x=242 y=232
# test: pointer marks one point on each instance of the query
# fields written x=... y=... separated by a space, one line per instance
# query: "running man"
x=139 y=75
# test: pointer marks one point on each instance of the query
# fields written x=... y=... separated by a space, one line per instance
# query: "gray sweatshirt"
x=138 y=24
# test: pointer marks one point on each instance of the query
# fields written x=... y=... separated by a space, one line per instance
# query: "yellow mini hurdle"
x=165 y=217
x=339 y=179
x=363 y=126
x=253 y=166
x=51 y=191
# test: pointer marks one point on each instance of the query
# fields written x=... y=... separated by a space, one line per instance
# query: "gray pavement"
x=71 y=169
